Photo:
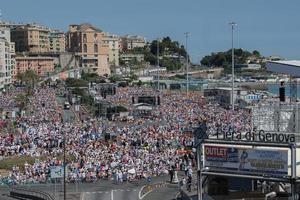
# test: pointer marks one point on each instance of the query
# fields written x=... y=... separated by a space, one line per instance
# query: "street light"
x=187 y=62
x=158 y=63
x=232 y=24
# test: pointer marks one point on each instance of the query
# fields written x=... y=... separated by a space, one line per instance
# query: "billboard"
x=56 y=172
x=242 y=160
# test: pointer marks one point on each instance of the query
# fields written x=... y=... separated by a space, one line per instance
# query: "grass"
x=8 y=163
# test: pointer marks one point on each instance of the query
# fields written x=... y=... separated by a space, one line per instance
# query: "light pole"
x=232 y=24
x=158 y=63
x=187 y=62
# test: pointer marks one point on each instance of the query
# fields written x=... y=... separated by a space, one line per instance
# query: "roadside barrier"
x=29 y=194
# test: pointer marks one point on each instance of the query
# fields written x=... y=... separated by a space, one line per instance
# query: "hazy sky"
x=270 y=26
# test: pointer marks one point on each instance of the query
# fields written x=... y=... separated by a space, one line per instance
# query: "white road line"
x=112 y=194
x=82 y=196
x=100 y=192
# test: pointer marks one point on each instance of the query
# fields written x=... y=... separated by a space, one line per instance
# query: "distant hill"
x=224 y=59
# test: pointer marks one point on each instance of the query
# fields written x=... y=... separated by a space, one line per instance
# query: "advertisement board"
x=242 y=160
x=56 y=172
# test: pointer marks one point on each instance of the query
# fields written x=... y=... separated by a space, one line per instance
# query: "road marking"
x=82 y=196
x=151 y=188
x=177 y=195
x=100 y=192
x=112 y=194
x=141 y=197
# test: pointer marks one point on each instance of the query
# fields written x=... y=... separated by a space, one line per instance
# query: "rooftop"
x=289 y=67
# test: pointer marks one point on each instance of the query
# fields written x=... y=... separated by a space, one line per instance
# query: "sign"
x=247 y=160
x=57 y=172
x=257 y=136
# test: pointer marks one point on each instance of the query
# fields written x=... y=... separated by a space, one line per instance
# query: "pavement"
x=104 y=190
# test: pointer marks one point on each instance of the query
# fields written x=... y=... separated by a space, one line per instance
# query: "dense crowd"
x=142 y=147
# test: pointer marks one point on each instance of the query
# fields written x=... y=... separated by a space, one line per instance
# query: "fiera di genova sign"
x=257 y=136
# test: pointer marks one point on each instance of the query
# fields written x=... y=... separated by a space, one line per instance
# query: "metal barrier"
x=30 y=194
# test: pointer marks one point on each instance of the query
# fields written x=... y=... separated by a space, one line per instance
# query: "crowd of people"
x=142 y=148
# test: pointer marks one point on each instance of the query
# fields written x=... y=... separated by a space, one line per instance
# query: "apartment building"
x=130 y=42
x=89 y=44
x=129 y=57
x=7 y=57
x=113 y=54
x=31 y=38
x=57 y=41
x=43 y=66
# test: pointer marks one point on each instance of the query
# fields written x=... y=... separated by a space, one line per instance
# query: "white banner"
x=243 y=160
x=57 y=172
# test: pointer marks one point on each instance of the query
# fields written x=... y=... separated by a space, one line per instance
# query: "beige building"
x=41 y=65
x=132 y=58
x=57 y=42
x=130 y=42
x=90 y=45
x=113 y=54
x=31 y=38
x=7 y=57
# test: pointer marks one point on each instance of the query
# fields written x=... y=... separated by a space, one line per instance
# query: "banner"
x=57 y=172
x=247 y=160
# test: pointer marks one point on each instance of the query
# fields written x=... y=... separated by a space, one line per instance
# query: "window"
x=95 y=36
x=95 y=48
x=84 y=37
x=84 y=48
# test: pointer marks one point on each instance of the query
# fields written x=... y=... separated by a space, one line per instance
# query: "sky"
x=269 y=26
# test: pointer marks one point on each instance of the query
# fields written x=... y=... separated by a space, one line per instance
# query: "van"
x=67 y=105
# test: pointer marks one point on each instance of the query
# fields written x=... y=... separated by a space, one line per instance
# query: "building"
x=43 y=66
x=88 y=42
x=113 y=54
x=223 y=96
x=31 y=38
x=129 y=57
x=57 y=42
x=7 y=57
x=130 y=42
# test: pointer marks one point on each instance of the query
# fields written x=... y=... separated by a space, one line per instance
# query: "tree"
x=29 y=78
x=256 y=53
x=22 y=100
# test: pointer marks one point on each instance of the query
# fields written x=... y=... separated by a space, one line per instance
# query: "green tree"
x=22 y=100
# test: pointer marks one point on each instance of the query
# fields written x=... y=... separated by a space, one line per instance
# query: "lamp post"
x=187 y=62
x=64 y=157
x=158 y=63
x=232 y=24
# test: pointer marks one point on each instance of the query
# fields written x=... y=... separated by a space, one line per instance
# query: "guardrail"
x=29 y=194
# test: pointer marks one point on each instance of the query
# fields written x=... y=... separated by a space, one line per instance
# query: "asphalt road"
x=68 y=115
x=102 y=190
x=165 y=193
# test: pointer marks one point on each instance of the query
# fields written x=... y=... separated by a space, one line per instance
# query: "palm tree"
x=22 y=100
x=29 y=78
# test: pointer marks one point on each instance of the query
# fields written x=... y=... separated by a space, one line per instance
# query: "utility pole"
x=65 y=193
x=187 y=62
x=232 y=24
x=158 y=64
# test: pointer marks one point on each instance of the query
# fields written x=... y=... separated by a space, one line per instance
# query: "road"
x=68 y=115
x=164 y=193
x=105 y=190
